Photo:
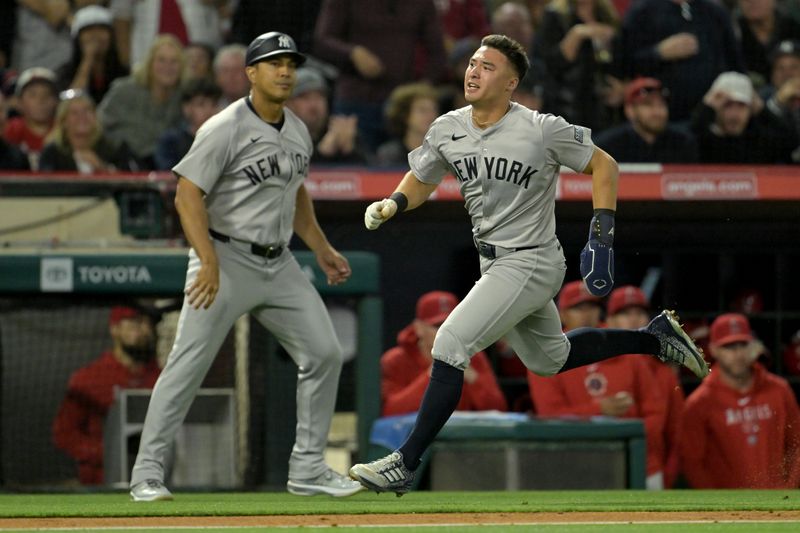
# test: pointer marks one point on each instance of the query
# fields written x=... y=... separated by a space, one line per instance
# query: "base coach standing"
x=240 y=197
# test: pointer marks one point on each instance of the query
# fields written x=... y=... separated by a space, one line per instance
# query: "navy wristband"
x=401 y=200
x=602 y=226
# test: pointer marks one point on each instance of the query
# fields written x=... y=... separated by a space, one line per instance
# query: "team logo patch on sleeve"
x=578 y=133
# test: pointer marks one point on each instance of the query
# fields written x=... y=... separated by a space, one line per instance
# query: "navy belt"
x=270 y=252
x=491 y=251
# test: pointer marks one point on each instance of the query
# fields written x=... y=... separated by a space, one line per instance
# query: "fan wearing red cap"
x=577 y=307
x=629 y=308
x=621 y=386
x=405 y=369
x=129 y=364
x=647 y=137
x=741 y=427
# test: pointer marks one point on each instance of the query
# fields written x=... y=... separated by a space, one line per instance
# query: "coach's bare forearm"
x=416 y=191
x=605 y=175
x=305 y=224
x=194 y=219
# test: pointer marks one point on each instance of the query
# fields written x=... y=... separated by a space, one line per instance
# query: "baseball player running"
x=506 y=159
x=240 y=194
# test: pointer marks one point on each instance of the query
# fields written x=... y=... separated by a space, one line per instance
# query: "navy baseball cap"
x=272 y=44
x=789 y=47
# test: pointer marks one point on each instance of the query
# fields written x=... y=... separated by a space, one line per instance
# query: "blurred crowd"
x=123 y=85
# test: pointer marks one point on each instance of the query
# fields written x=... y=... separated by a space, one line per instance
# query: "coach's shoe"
x=676 y=345
x=385 y=475
x=151 y=490
x=329 y=482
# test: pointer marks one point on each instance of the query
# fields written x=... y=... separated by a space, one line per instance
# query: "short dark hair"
x=510 y=48
x=200 y=87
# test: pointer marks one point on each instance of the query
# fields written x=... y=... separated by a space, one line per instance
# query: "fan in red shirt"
x=405 y=369
x=629 y=308
x=741 y=426
x=130 y=364
x=623 y=386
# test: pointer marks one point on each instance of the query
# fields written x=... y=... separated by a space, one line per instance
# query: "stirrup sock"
x=440 y=400
x=592 y=345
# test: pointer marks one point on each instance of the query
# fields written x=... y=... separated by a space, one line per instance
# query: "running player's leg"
x=663 y=338
x=545 y=350
x=592 y=345
x=297 y=316
x=510 y=289
x=200 y=333
x=539 y=341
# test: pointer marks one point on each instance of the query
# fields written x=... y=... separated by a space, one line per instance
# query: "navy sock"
x=592 y=345
x=440 y=400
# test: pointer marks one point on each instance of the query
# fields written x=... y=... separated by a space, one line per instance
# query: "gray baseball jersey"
x=507 y=175
x=251 y=173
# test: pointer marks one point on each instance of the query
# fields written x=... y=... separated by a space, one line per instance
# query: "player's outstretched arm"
x=194 y=219
x=411 y=192
x=597 y=257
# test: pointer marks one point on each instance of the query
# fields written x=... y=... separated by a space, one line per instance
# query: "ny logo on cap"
x=284 y=42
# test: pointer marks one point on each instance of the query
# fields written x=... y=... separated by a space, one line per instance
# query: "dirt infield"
x=400 y=519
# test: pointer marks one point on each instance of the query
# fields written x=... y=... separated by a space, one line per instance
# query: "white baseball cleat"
x=388 y=474
x=151 y=490
x=329 y=482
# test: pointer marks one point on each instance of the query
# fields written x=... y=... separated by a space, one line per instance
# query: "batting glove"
x=379 y=212
x=597 y=257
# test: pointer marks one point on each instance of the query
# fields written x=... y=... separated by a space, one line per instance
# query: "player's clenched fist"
x=379 y=212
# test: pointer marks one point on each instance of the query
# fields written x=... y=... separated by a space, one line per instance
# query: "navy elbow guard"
x=597 y=257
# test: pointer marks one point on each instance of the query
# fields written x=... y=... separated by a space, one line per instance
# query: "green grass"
x=763 y=527
x=275 y=503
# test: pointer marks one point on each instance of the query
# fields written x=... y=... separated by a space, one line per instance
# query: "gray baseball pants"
x=512 y=299
x=280 y=296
